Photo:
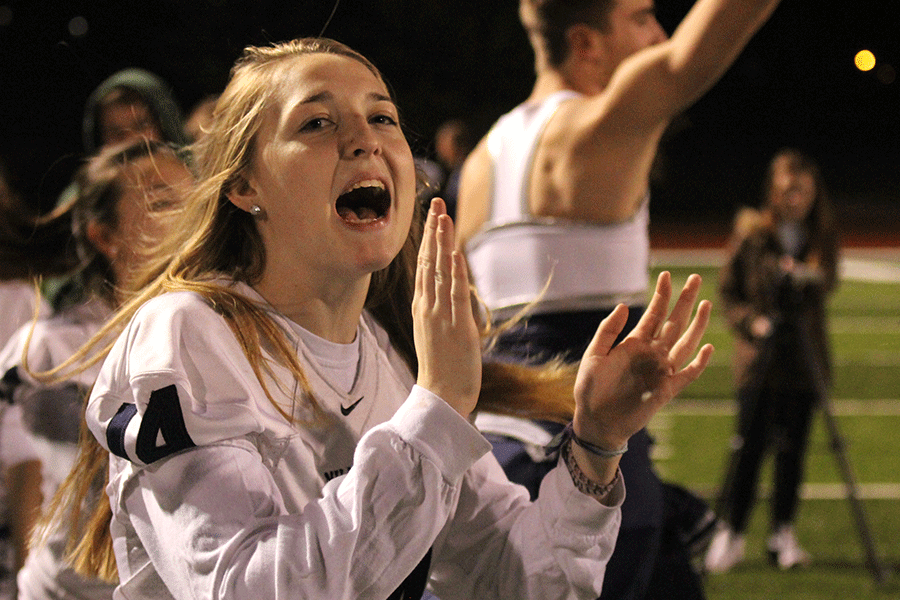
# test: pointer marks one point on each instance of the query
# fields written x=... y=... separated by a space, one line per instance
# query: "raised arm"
x=658 y=82
x=597 y=152
x=473 y=201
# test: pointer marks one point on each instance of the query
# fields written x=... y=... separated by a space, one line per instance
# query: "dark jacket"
x=752 y=283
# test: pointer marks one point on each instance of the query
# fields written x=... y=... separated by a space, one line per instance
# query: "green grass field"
x=693 y=434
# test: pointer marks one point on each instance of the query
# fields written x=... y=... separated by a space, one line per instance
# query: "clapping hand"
x=447 y=340
x=618 y=389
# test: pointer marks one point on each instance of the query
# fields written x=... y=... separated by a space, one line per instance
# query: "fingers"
x=668 y=327
x=460 y=294
x=442 y=279
x=685 y=346
x=682 y=378
x=681 y=313
x=650 y=322
x=427 y=263
x=446 y=336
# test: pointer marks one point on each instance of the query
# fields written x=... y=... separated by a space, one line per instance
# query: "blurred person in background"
x=453 y=141
x=23 y=257
x=131 y=104
x=126 y=195
x=774 y=287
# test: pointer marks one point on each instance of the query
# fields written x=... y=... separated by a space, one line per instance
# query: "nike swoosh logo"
x=346 y=410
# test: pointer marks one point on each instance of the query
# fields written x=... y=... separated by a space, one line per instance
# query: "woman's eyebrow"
x=326 y=95
x=381 y=97
x=319 y=97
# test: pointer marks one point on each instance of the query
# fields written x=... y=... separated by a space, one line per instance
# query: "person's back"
x=608 y=83
x=550 y=264
x=564 y=231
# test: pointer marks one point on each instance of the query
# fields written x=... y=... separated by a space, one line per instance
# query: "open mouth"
x=366 y=202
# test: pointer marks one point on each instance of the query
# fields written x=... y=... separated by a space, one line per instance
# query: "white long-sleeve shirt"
x=52 y=419
x=215 y=495
x=17 y=300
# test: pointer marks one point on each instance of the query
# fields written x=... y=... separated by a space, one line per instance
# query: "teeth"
x=373 y=183
x=363 y=202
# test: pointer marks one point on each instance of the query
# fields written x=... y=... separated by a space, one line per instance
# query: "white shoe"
x=725 y=551
x=784 y=549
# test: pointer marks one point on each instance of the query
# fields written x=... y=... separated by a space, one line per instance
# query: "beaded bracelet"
x=583 y=483
x=569 y=434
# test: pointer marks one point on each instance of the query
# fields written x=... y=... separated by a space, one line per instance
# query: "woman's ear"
x=242 y=194
x=102 y=237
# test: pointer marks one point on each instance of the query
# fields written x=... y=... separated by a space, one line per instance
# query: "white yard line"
x=887 y=407
x=663 y=423
x=838 y=491
x=863 y=264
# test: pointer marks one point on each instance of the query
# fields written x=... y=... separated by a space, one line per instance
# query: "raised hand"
x=618 y=389
x=446 y=336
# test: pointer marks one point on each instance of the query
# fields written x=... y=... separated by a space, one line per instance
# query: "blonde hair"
x=227 y=243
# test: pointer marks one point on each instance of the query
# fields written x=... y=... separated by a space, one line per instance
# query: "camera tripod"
x=836 y=441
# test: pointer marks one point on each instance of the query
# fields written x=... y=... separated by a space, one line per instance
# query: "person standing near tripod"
x=773 y=288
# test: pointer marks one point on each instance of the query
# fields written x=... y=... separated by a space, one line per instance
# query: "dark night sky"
x=794 y=85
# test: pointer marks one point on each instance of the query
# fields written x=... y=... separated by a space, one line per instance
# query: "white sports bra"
x=553 y=264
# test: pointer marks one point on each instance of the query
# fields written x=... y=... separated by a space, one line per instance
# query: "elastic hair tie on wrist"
x=569 y=434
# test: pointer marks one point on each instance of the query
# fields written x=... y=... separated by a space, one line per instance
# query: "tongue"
x=359 y=215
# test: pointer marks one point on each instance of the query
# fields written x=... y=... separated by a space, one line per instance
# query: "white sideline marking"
x=838 y=491
x=863 y=264
x=888 y=407
x=870 y=270
x=663 y=450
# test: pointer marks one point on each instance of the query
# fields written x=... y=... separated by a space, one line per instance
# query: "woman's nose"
x=361 y=140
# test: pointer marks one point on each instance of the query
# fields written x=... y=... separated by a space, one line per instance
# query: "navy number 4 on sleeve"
x=163 y=417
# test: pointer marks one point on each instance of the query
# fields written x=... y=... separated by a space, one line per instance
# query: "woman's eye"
x=161 y=200
x=384 y=120
x=161 y=205
x=313 y=124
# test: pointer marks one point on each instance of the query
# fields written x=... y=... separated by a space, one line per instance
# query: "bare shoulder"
x=476 y=182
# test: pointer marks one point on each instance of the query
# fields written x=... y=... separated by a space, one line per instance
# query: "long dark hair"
x=819 y=222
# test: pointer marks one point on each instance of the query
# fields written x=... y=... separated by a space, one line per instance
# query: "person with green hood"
x=130 y=104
